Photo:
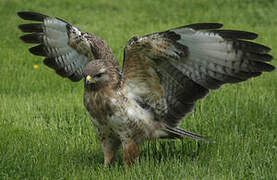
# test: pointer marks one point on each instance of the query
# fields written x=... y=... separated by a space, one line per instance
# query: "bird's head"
x=98 y=74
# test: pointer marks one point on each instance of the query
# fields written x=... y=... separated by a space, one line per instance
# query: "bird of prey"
x=162 y=77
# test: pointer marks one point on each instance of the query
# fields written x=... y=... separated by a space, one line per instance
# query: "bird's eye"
x=98 y=75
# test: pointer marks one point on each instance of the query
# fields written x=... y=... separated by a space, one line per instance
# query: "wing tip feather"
x=268 y=67
x=38 y=50
x=236 y=34
x=29 y=28
x=32 y=38
x=29 y=15
x=203 y=26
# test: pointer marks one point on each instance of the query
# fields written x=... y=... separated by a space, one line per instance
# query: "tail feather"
x=181 y=133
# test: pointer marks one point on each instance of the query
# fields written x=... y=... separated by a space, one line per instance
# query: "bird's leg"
x=130 y=152
x=109 y=157
x=109 y=149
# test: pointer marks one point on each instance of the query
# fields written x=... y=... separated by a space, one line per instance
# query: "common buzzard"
x=163 y=75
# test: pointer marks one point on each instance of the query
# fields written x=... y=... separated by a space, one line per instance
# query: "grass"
x=45 y=132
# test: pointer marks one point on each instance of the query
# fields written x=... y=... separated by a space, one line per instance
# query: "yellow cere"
x=35 y=66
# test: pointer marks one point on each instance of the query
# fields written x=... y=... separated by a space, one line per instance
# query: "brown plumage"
x=163 y=75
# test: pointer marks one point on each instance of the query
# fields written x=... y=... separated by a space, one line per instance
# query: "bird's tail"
x=176 y=132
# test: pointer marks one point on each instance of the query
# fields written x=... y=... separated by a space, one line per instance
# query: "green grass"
x=45 y=132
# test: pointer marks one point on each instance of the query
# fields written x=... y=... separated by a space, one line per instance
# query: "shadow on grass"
x=92 y=159
x=154 y=151
x=52 y=153
x=167 y=149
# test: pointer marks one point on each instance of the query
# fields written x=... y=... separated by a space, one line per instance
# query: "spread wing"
x=66 y=48
x=169 y=71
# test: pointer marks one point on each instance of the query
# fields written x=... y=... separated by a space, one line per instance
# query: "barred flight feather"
x=192 y=59
x=66 y=48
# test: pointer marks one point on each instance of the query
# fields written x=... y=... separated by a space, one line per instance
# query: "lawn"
x=46 y=133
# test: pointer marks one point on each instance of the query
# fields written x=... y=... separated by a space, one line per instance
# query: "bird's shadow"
x=163 y=150
x=93 y=158
x=155 y=151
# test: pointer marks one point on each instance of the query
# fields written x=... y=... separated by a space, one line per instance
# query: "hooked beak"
x=89 y=80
